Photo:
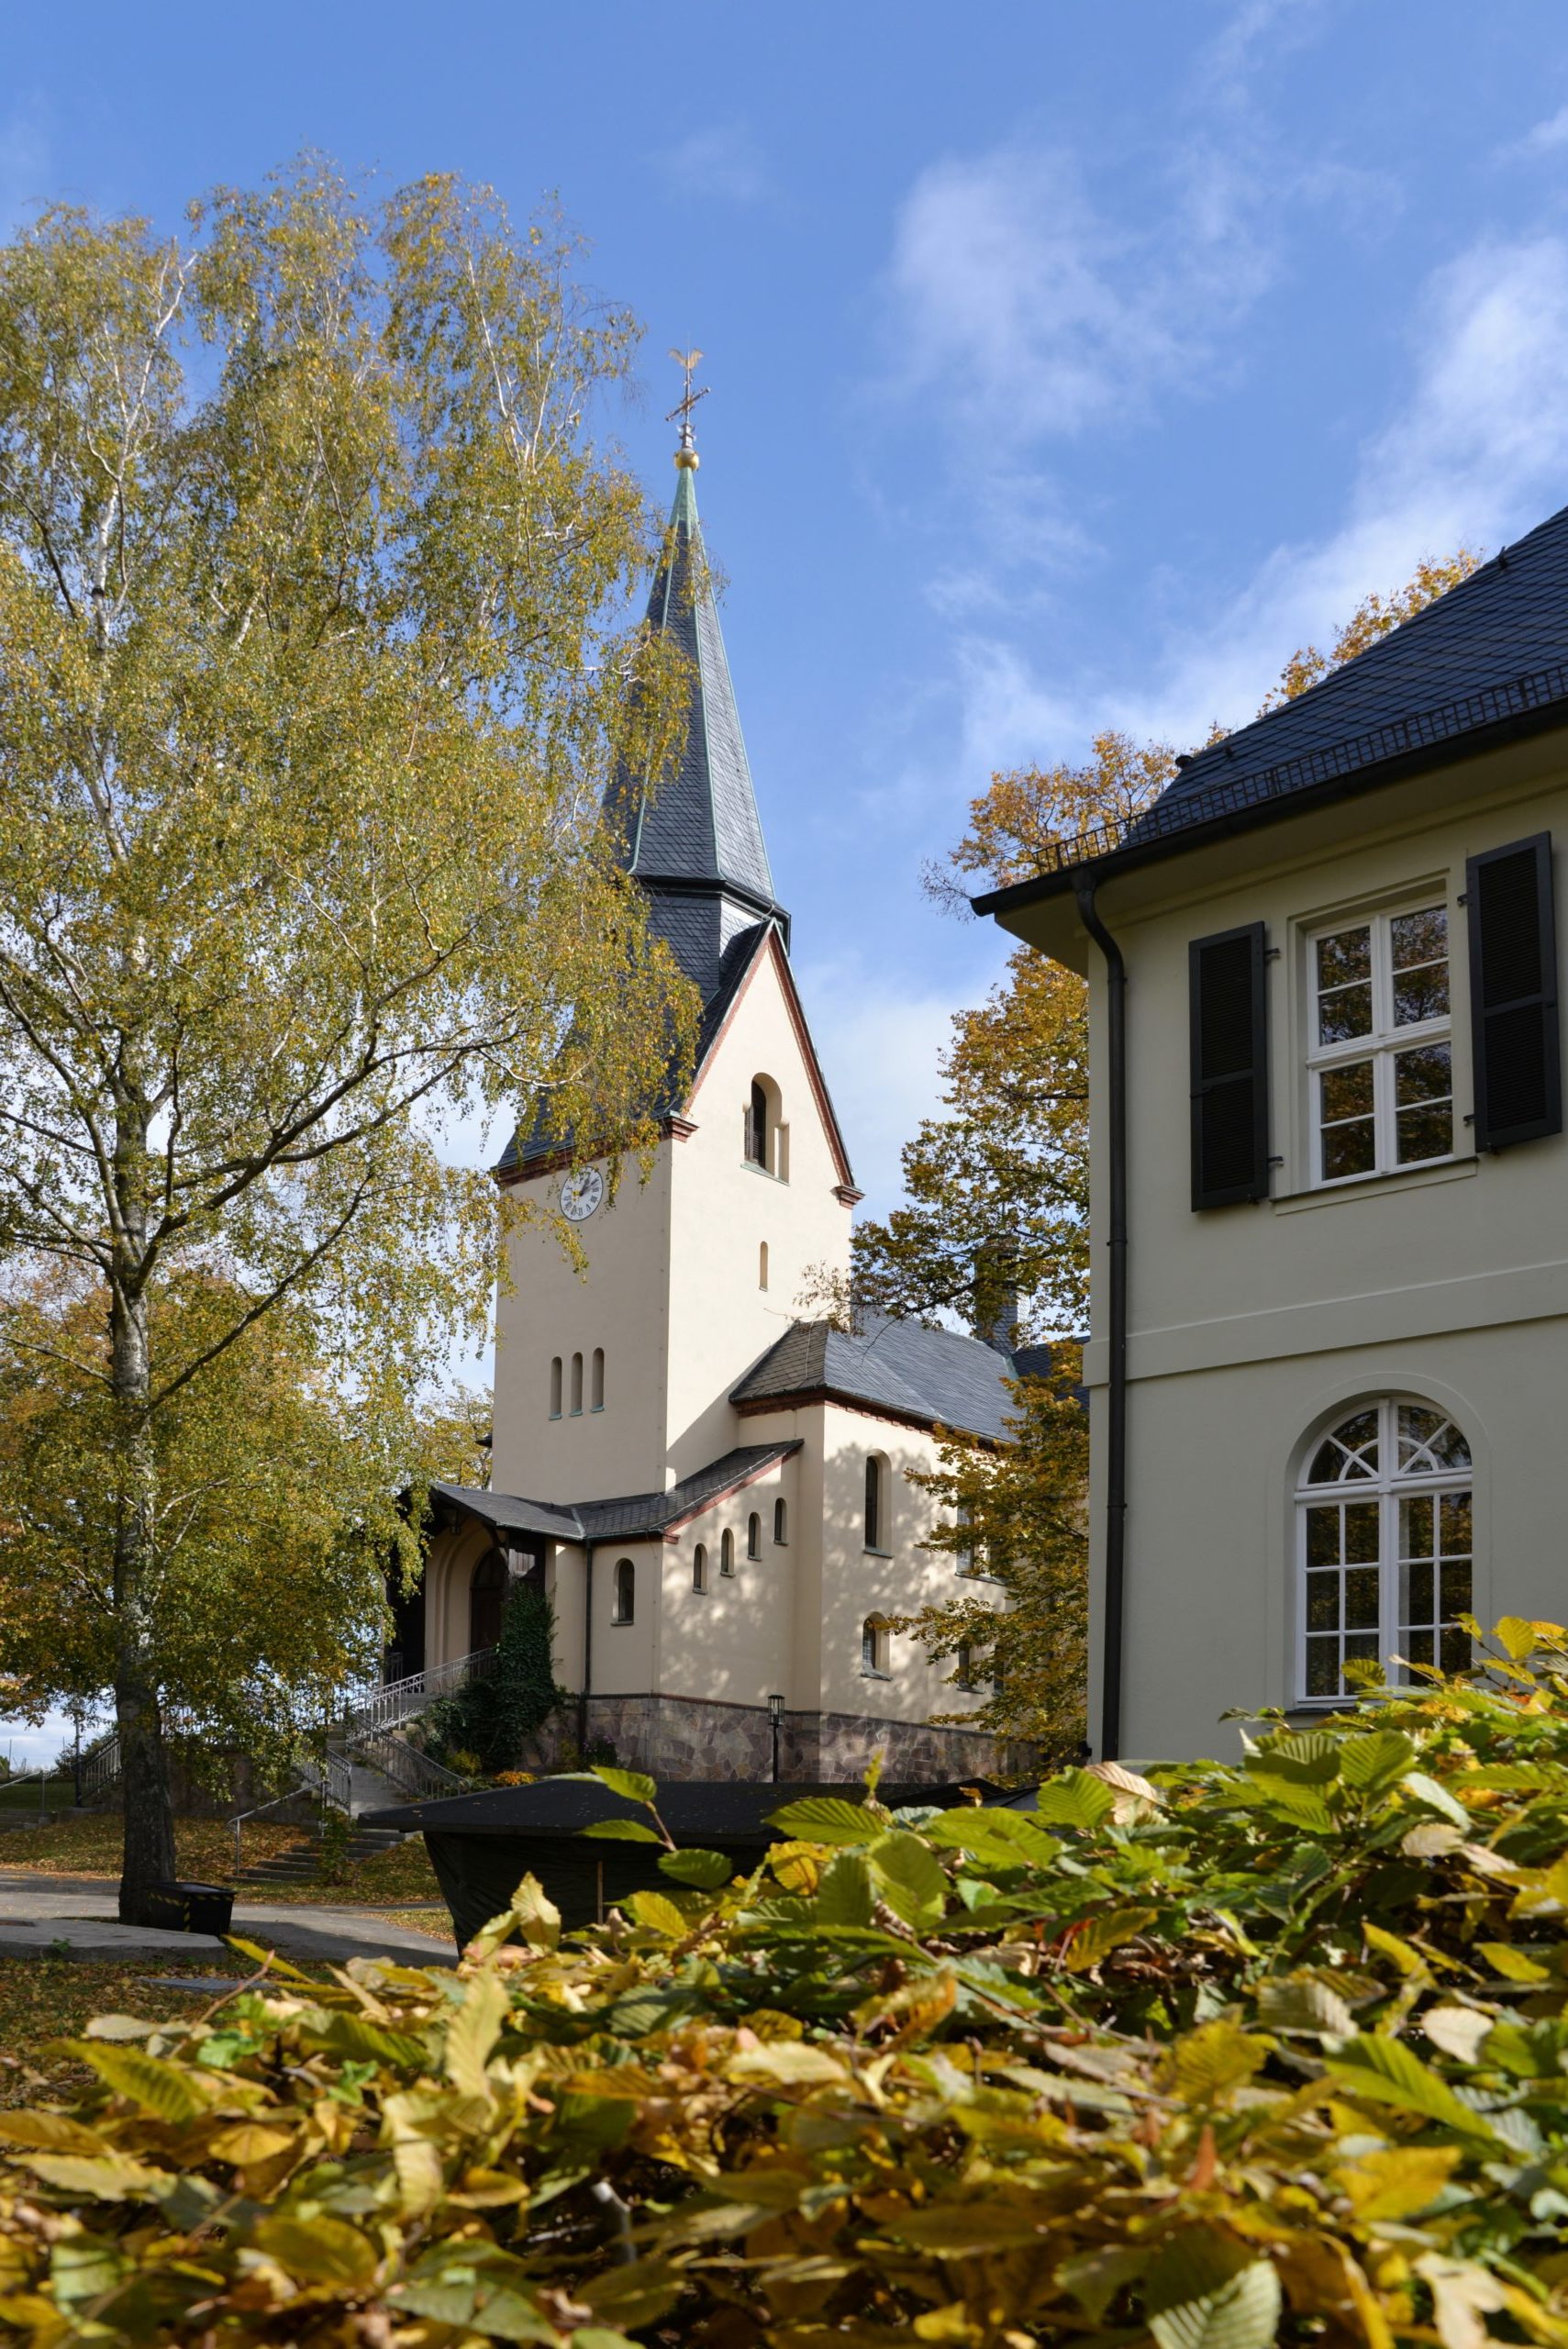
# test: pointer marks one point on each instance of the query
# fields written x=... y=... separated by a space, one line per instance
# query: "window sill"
x=870 y=1551
x=766 y=1173
x=596 y=1408
x=869 y=1671
x=622 y=1622
x=1376 y=1186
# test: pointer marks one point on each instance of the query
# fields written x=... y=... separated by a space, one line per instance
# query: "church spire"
x=695 y=841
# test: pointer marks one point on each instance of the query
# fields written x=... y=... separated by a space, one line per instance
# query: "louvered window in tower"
x=1380 y=1056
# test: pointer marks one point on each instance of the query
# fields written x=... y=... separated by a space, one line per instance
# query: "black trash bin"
x=189 y=1908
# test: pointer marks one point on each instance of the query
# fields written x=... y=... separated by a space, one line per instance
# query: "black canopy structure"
x=481 y=1845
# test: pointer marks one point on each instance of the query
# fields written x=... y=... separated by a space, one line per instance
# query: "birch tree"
x=313 y=573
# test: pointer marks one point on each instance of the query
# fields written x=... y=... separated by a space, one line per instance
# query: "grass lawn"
x=50 y=1998
x=89 y=1845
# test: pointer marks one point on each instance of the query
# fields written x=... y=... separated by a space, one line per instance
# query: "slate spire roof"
x=693 y=837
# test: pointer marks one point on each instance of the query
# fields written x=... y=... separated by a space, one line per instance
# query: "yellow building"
x=1330 y=1183
x=711 y=1489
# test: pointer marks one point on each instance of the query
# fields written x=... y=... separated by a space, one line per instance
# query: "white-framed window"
x=727 y=1552
x=625 y=1592
x=1380 y=1052
x=1385 y=1547
x=874 y=1645
x=699 y=1566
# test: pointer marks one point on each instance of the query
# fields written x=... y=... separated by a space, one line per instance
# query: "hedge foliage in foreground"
x=1268 y=2051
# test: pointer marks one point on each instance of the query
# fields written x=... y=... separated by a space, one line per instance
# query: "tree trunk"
x=149 y=1854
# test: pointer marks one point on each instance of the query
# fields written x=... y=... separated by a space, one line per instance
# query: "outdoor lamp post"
x=775 y=1719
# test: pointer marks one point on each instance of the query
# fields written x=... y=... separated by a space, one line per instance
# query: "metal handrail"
x=332 y=1782
x=411 y=1771
x=396 y=1700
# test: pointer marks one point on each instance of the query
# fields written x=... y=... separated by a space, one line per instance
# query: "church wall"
x=619 y=1304
x=447 y=1571
x=722 y=1208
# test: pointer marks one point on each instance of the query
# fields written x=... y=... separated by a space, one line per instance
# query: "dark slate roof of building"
x=901 y=1367
x=626 y=1517
x=699 y=823
x=721 y=1810
x=1487 y=662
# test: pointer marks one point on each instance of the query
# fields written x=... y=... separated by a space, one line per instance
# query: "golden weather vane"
x=687 y=361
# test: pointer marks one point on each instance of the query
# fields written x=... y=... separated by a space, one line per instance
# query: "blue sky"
x=1071 y=364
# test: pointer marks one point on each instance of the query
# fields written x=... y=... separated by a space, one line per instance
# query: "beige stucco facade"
x=672 y=1292
x=1254 y=1328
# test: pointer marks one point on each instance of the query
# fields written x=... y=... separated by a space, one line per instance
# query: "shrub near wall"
x=1272 y=2050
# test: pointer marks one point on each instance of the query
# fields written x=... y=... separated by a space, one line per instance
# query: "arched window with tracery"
x=1386 y=1547
x=625 y=1592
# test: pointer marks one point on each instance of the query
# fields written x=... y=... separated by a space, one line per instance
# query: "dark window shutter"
x=1230 y=1067
x=1513 y=994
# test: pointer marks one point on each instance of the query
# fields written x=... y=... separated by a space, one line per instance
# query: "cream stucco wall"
x=1251 y=1325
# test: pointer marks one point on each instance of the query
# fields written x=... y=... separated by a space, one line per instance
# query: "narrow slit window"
x=875 y=1504
x=754 y=1535
x=781 y=1523
x=874 y=1645
x=727 y=1552
x=626 y=1591
x=555 y=1388
x=596 y=1386
x=577 y=1385
x=762 y=1265
x=699 y=1566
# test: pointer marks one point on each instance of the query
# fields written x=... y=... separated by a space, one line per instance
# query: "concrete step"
x=300 y=1862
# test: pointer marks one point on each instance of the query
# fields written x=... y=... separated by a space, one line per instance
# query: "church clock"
x=581 y=1194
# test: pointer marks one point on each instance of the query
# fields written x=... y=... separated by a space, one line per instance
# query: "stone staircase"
x=299 y=1862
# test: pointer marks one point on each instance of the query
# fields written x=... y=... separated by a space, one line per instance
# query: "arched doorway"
x=486 y=1596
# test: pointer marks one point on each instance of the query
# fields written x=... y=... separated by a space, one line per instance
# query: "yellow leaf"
x=472 y=2032
x=318 y=2251
x=249 y=2141
x=659 y=1914
x=1396 y=2184
x=1105 y=1933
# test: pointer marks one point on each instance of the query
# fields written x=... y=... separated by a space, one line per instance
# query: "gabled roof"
x=935 y=1377
x=1487 y=663
x=625 y=1516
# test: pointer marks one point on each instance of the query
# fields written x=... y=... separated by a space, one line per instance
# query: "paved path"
x=40 y=1912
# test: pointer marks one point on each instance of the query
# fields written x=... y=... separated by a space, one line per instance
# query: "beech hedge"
x=1223 y=2056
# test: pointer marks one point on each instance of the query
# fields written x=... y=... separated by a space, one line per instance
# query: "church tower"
x=618 y=1382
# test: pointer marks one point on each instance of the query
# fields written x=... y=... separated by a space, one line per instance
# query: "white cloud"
x=1547 y=136
x=724 y=162
x=1476 y=452
x=879 y=1046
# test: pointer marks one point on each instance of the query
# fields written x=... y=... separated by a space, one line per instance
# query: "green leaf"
x=1513 y=1965
x=1302 y=1806
x=318 y=2251
x=632 y=1784
x=1006 y=1838
x=912 y=1879
x=1074 y=1800
x=1302 y=2002
x=1309 y=1758
x=1206 y=2291
x=1215 y=2058
x=708 y=1871
x=1384 y=2071
x=846 y=1895
x=1427 y=1790
x=1374 y=1760
x=111 y=2178
x=825 y=1818
x=621 y=1831
x=159 y=2087
x=660 y=1915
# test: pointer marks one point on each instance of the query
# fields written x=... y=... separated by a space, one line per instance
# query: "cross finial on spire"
x=686 y=455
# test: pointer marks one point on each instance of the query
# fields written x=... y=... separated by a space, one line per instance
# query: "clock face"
x=581 y=1193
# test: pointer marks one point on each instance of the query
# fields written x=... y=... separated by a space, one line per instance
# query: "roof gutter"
x=1116 y=1432
x=1069 y=878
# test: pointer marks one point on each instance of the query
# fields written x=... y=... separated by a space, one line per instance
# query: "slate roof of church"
x=701 y=823
x=932 y=1376
x=624 y=1517
x=1486 y=663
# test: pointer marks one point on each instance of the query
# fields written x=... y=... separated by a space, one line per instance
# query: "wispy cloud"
x=1475 y=451
x=724 y=164
x=1546 y=138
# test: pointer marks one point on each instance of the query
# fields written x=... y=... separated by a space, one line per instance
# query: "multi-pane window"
x=1386 y=1547
x=1381 y=1056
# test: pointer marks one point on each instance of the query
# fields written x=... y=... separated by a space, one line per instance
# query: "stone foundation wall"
x=685 y=1737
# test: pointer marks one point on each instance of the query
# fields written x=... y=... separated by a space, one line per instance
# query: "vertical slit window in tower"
x=727 y=1552
x=555 y=1388
x=626 y=1591
x=781 y=1523
x=873 y=1503
x=597 y=1389
x=762 y=1265
x=576 y=1386
x=754 y=1535
x=699 y=1566
x=757 y=1128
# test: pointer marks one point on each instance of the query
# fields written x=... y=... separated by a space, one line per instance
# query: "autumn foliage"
x=1270 y=2050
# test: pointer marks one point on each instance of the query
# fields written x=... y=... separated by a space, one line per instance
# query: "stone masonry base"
x=688 y=1737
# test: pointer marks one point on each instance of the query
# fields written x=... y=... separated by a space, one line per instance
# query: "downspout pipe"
x=587 y=1653
x=1116 y=1432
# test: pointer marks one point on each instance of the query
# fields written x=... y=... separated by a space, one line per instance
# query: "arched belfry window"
x=1385 y=1547
x=766 y=1135
x=625 y=1592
